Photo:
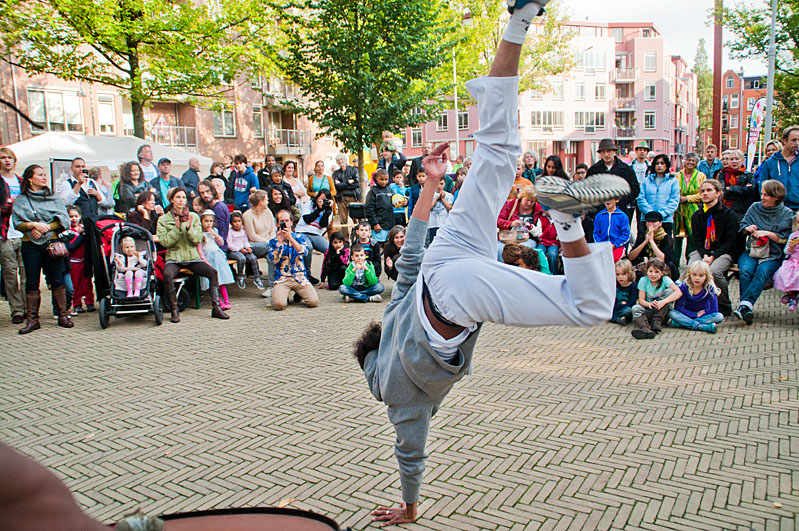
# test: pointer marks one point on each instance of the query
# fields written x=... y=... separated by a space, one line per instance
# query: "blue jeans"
x=622 y=312
x=361 y=296
x=685 y=321
x=552 y=256
x=318 y=243
x=753 y=276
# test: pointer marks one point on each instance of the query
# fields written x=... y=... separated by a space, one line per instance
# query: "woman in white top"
x=259 y=224
x=290 y=176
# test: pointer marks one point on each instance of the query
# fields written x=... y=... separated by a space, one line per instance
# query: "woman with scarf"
x=767 y=224
x=531 y=169
x=714 y=229
x=41 y=216
x=739 y=185
x=180 y=232
x=690 y=181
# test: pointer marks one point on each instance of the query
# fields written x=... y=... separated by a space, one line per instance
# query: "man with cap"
x=609 y=163
x=390 y=159
x=639 y=164
x=654 y=242
x=161 y=184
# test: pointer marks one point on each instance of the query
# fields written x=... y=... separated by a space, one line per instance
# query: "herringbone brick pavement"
x=557 y=428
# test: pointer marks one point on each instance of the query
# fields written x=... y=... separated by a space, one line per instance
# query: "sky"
x=682 y=23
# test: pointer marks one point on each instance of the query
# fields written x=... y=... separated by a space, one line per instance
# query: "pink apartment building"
x=626 y=85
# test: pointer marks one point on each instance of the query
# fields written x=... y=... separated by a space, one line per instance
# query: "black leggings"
x=171 y=270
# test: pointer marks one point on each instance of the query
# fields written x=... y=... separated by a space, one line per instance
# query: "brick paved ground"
x=555 y=429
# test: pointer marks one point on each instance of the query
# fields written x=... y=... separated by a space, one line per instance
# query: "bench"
x=196 y=278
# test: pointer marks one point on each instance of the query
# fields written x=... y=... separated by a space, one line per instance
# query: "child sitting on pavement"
x=360 y=282
x=370 y=246
x=698 y=307
x=336 y=260
x=239 y=249
x=626 y=293
x=656 y=292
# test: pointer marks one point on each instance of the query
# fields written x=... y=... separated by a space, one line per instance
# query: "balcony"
x=288 y=142
x=624 y=75
x=681 y=127
x=625 y=104
x=171 y=135
x=626 y=132
x=679 y=149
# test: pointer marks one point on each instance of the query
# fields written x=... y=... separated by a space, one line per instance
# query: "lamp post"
x=466 y=21
x=772 y=53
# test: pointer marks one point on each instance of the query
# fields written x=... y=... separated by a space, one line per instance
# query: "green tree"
x=704 y=80
x=750 y=26
x=366 y=66
x=148 y=49
x=546 y=51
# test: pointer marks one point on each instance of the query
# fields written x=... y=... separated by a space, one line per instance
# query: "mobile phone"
x=282 y=225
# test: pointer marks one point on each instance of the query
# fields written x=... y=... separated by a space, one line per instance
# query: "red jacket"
x=548 y=236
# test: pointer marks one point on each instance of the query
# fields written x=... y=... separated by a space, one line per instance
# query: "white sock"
x=568 y=227
x=520 y=20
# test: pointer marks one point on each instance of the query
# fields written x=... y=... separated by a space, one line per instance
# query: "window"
x=618 y=34
x=750 y=104
x=256 y=83
x=442 y=124
x=646 y=33
x=734 y=121
x=463 y=120
x=583 y=119
x=106 y=116
x=557 y=90
x=649 y=92
x=650 y=61
x=734 y=101
x=56 y=111
x=468 y=148
x=599 y=92
x=730 y=82
x=591 y=61
x=756 y=84
x=550 y=119
x=579 y=91
x=733 y=141
x=649 y=120
x=257 y=121
x=539 y=147
x=724 y=100
x=536 y=95
x=224 y=123
x=725 y=121
x=416 y=137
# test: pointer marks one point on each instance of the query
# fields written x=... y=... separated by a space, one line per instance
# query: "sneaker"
x=624 y=320
x=258 y=283
x=90 y=308
x=748 y=316
x=73 y=312
x=710 y=328
x=518 y=4
x=240 y=283
x=792 y=305
x=267 y=294
x=575 y=197
x=376 y=298
x=785 y=299
x=347 y=298
x=738 y=313
x=78 y=309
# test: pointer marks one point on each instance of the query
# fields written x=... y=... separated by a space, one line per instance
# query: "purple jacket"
x=691 y=305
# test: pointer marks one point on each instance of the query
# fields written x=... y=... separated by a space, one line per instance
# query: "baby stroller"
x=114 y=300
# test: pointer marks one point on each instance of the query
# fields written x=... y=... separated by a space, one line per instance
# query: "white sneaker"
x=347 y=298
x=376 y=298
x=574 y=197
x=267 y=294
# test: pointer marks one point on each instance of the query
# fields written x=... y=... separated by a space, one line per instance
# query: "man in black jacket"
x=416 y=164
x=610 y=163
x=348 y=190
x=715 y=232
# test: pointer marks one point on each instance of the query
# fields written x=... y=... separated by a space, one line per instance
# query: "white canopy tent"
x=106 y=152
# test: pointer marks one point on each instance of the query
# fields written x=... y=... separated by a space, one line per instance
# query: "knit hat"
x=607 y=144
x=653 y=215
x=643 y=144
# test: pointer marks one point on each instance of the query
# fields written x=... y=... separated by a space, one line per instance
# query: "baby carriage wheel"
x=102 y=313
x=158 y=310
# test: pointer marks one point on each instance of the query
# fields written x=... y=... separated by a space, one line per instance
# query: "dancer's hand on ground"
x=405 y=514
x=435 y=164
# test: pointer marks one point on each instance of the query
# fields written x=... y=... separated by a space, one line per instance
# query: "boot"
x=216 y=310
x=172 y=297
x=33 y=300
x=60 y=298
x=642 y=330
x=657 y=319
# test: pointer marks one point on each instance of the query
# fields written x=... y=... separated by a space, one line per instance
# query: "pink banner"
x=755 y=127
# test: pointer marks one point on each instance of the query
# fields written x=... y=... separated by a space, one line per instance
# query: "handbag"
x=758 y=247
x=515 y=235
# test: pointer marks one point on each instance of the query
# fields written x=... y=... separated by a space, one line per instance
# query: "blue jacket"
x=242 y=184
x=776 y=167
x=155 y=187
x=665 y=198
x=613 y=228
x=707 y=169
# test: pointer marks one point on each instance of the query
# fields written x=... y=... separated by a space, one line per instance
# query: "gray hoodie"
x=405 y=373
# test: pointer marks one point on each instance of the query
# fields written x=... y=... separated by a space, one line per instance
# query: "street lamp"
x=466 y=21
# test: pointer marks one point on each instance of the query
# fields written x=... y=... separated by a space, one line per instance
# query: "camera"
x=283 y=225
x=327 y=203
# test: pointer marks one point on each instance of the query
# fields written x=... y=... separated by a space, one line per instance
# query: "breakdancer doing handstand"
x=442 y=296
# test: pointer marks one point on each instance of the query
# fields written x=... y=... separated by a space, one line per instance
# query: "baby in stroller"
x=131 y=268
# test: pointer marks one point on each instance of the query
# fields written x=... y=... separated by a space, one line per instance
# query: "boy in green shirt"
x=360 y=281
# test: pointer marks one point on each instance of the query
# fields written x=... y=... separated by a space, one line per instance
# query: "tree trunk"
x=359 y=151
x=137 y=97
